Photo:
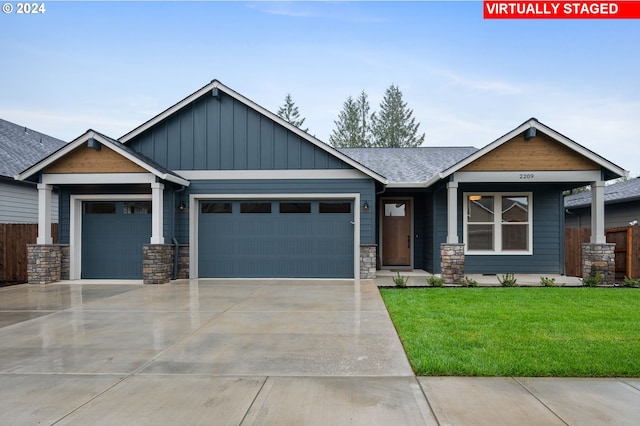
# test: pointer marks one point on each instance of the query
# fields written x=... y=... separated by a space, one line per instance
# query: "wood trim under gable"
x=539 y=153
x=87 y=160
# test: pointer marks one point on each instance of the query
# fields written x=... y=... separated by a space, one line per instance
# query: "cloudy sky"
x=113 y=65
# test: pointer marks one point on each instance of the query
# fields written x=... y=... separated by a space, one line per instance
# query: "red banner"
x=502 y=9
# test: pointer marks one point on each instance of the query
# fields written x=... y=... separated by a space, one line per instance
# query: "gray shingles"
x=409 y=165
x=21 y=147
x=618 y=192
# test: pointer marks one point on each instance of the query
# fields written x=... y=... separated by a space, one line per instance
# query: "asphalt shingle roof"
x=622 y=191
x=21 y=147
x=409 y=165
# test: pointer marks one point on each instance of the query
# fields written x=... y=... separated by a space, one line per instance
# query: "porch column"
x=44 y=214
x=452 y=212
x=597 y=213
x=157 y=210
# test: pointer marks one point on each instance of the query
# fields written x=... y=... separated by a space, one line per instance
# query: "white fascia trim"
x=271 y=174
x=407 y=185
x=216 y=84
x=194 y=200
x=106 y=143
x=75 y=225
x=525 y=176
x=547 y=130
x=97 y=178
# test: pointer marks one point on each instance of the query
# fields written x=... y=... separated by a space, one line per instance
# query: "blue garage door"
x=275 y=239
x=113 y=234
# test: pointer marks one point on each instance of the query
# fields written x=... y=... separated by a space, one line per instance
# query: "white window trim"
x=194 y=208
x=497 y=221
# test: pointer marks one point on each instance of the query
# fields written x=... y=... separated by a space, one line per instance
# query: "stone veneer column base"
x=368 y=253
x=452 y=262
x=45 y=263
x=157 y=263
x=183 y=262
x=599 y=258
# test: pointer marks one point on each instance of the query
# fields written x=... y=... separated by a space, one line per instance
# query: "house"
x=621 y=206
x=247 y=194
x=20 y=148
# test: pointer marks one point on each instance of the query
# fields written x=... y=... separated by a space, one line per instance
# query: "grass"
x=533 y=332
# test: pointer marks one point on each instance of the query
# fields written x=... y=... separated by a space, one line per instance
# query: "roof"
x=617 y=193
x=216 y=85
x=409 y=166
x=611 y=170
x=21 y=147
x=133 y=156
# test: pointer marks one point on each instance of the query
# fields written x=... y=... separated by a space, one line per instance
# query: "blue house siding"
x=366 y=188
x=225 y=134
x=548 y=234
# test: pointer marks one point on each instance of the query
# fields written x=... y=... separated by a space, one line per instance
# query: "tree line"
x=393 y=126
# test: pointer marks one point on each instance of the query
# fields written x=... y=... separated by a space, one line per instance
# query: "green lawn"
x=568 y=332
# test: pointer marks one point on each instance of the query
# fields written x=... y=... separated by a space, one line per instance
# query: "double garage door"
x=276 y=238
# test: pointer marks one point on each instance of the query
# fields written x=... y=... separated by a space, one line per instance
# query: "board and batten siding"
x=19 y=203
x=225 y=134
x=365 y=187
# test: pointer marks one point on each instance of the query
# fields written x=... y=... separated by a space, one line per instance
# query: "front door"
x=396 y=232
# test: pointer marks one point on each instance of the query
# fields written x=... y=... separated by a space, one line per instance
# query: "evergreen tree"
x=289 y=112
x=394 y=125
x=352 y=126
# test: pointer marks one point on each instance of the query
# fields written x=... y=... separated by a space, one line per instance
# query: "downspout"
x=173 y=231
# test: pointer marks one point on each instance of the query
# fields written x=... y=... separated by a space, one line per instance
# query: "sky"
x=113 y=65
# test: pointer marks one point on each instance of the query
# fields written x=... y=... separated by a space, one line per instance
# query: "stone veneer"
x=599 y=258
x=157 y=263
x=183 y=262
x=452 y=262
x=368 y=253
x=45 y=263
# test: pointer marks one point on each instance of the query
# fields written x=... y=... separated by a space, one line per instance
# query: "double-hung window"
x=498 y=223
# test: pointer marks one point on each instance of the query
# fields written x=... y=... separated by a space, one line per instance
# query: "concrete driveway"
x=280 y=352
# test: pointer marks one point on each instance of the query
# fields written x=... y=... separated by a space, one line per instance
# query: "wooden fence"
x=14 y=238
x=627 y=250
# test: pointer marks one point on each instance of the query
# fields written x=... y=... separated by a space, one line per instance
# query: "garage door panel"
x=299 y=243
x=112 y=240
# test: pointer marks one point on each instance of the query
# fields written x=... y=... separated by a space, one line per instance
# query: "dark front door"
x=396 y=232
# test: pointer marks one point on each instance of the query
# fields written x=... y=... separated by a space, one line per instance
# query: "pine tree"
x=394 y=125
x=352 y=126
x=289 y=112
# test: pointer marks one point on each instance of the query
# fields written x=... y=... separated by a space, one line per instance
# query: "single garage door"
x=113 y=233
x=275 y=239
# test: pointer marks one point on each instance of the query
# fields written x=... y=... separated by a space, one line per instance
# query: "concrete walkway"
x=285 y=352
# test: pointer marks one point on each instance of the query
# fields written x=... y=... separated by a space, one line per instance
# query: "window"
x=395 y=208
x=137 y=207
x=498 y=223
x=335 y=207
x=295 y=207
x=99 y=207
x=255 y=208
x=208 y=207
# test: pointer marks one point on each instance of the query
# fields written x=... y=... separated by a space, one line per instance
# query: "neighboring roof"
x=409 y=166
x=611 y=170
x=617 y=193
x=133 y=156
x=20 y=147
x=216 y=85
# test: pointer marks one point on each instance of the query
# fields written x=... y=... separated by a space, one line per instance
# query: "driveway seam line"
x=253 y=401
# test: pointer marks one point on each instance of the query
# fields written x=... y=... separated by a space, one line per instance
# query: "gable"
x=87 y=160
x=221 y=133
x=538 y=153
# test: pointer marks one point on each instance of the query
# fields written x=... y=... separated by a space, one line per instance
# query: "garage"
x=276 y=238
x=113 y=233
